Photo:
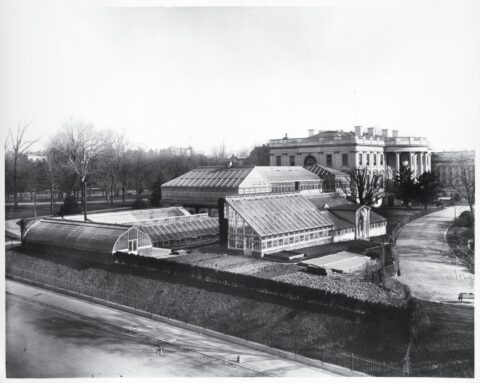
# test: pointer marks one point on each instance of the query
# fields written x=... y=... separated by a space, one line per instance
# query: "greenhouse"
x=202 y=187
x=265 y=224
x=182 y=231
x=133 y=216
x=334 y=179
x=94 y=242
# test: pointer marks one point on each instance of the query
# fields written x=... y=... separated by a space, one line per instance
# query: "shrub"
x=70 y=206
x=465 y=219
x=141 y=204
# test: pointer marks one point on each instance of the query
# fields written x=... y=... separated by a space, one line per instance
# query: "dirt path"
x=428 y=264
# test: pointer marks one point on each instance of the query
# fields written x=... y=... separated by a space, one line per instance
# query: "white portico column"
x=422 y=164
x=397 y=160
x=356 y=160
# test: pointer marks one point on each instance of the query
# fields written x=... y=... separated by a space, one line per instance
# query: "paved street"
x=427 y=263
x=42 y=342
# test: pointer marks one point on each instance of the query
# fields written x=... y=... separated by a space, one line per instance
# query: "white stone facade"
x=377 y=150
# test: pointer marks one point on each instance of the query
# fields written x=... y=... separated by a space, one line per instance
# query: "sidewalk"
x=259 y=361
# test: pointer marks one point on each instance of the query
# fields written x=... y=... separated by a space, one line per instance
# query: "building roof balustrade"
x=410 y=141
x=332 y=140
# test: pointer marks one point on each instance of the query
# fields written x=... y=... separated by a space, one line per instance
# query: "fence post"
x=107 y=296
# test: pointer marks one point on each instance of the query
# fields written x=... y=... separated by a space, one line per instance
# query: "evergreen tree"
x=404 y=183
x=428 y=187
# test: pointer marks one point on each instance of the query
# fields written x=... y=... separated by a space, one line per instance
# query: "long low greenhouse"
x=95 y=242
x=182 y=231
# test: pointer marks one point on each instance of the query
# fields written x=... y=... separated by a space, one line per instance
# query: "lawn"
x=44 y=210
x=457 y=238
x=396 y=214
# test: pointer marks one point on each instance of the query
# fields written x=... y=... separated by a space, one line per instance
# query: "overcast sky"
x=197 y=76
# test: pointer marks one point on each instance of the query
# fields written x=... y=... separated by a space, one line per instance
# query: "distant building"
x=36 y=156
x=371 y=147
x=448 y=166
x=270 y=223
x=177 y=151
x=200 y=189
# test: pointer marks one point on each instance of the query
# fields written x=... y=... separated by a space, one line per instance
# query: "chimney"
x=358 y=130
x=371 y=132
x=394 y=133
x=385 y=132
x=311 y=132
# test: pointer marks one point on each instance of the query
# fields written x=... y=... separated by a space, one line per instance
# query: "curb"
x=214 y=334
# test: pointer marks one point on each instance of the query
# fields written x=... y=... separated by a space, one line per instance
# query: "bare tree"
x=51 y=164
x=363 y=187
x=116 y=147
x=219 y=154
x=19 y=146
x=141 y=168
x=464 y=180
x=82 y=145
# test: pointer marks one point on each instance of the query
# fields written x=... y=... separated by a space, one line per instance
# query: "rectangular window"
x=368 y=159
x=360 y=159
x=329 y=160
x=290 y=240
x=292 y=160
x=375 y=159
x=344 y=159
x=279 y=160
x=381 y=159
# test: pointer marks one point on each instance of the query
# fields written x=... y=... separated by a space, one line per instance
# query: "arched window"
x=310 y=160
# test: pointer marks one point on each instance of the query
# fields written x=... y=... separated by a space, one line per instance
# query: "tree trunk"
x=84 y=192
x=15 y=200
x=111 y=191
x=51 y=195
x=123 y=193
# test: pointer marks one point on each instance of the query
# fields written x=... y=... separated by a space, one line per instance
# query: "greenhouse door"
x=247 y=246
x=132 y=246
